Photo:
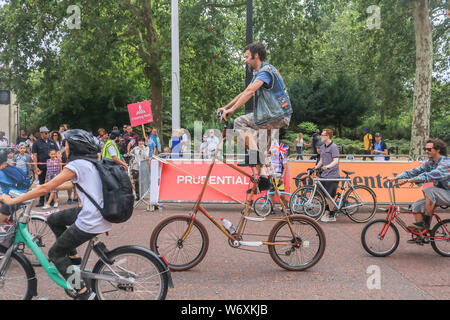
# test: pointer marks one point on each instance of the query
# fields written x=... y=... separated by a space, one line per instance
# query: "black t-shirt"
x=20 y=139
x=42 y=149
x=315 y=140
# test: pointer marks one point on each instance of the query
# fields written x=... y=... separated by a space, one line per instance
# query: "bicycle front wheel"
x=149 y=280
x=16 y=280
x=304 y=249
x=360 y=204
x=43 y=236
x=166 y=240
x=379 y=239
x=302 y=202
x=263 y=206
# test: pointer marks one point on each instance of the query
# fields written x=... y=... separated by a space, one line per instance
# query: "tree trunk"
x=420 y=128
x=154 y=75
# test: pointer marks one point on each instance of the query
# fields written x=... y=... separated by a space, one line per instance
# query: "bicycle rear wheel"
x=360 y=204
x=181 y=255
x=263 y=206
x=441 y=230
x=376 y=244
x=304 y=250
x=149 y=277
x=299 y=202
x=16 y=281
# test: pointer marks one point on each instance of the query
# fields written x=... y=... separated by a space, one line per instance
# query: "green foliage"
x=307 y=127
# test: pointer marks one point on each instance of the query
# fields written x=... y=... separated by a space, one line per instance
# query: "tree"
x=420 y=129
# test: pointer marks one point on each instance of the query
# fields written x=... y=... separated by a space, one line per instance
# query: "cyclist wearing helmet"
x=83 y=223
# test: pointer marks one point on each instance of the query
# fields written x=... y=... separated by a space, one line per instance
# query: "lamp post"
x=249 y=39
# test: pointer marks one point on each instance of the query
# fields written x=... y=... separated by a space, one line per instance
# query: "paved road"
x=412 y=272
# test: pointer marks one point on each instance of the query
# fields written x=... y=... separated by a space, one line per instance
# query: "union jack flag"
x=280 y=149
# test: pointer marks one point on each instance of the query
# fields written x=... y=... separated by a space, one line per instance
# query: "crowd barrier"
x=181 y=180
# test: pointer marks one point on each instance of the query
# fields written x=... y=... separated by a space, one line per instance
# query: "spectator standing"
x=129 y=140
x=212 y=141
x=314 y=140
x=204 y=147
x=22 y=138
x=57 y=138
x=329 y=162
x=23 y=160
x=54 y=167
x=368 y=142
x=278 y=165
x=40 y=151
x=154 y=135
x=138 y=154
x=31 y=139
x=379 y=148
x=299 y=146
x=184 y=140
x=175 y=144
x=3 y=140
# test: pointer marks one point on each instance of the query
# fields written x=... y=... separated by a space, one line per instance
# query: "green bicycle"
x=125 y=273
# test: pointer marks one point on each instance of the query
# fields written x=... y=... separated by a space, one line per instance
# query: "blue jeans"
x=299 y=151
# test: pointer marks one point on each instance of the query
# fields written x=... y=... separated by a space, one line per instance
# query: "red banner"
x=140 y=113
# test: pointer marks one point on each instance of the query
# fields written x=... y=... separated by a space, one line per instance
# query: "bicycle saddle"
x=348 y=172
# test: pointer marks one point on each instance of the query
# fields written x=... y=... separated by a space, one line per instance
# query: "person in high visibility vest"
x=111 y=151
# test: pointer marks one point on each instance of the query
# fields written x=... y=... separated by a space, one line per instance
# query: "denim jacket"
x=271 y=103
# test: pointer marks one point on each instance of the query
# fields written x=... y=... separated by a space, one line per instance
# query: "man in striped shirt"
x=436 y=170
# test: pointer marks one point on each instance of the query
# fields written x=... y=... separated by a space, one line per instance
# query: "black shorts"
x=331 y=187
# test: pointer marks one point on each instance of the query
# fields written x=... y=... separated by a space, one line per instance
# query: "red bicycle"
x=380 y=237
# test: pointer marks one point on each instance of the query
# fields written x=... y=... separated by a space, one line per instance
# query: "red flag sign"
x=140 y=113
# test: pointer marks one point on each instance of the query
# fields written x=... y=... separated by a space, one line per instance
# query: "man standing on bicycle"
x=329 y=162
x=84 y=223
x=271 y=104
x=437 y=170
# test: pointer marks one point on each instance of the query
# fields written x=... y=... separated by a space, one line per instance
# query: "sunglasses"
x=427 y=149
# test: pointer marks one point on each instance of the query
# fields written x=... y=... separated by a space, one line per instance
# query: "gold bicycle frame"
x=243 y=220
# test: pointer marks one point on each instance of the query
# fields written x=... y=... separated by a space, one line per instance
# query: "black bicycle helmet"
x=114 y=134
x=81 y=143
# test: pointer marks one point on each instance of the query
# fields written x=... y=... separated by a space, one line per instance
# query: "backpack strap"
x=89 y=197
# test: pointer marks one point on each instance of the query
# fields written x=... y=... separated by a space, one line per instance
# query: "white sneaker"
x=55 y=205
x=331 y=219
x=328 y=218
x=46 y=206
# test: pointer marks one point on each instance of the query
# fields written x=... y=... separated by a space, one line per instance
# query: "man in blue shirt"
x=152 y=147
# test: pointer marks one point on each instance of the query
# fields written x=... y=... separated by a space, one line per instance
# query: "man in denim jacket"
x=272 y=106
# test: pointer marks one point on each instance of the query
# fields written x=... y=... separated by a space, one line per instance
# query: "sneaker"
x=88 y=295
x=328 y=218
x=56 y=205
x=46 y=206
x=69 y=201
x=264 y=183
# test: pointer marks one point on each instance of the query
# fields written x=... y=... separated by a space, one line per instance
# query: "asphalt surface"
x=412 y=272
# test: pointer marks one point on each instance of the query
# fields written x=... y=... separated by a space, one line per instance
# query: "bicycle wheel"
x=441 y=230
x=18 y=278
x=376 y=245
x=306 y=248
x=360 y=204
x=181 y=255
x=150 y=281
x=42 y=235
x=299 y=202
x=263 y=206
